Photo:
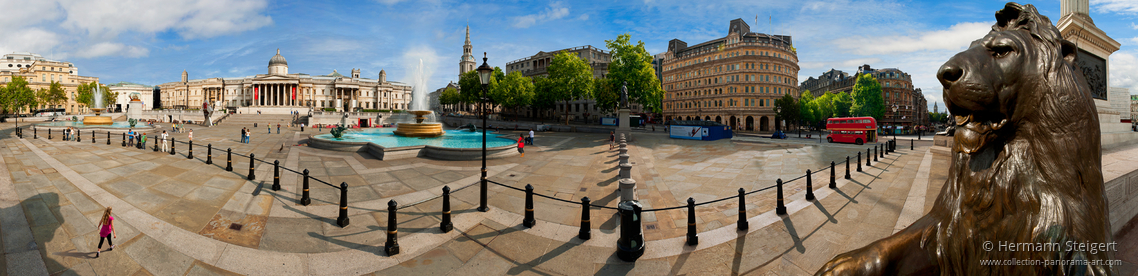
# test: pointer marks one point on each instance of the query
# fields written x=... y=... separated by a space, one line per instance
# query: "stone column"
x=627 y=184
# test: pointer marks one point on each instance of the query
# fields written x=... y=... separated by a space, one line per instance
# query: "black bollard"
x=779 y=209
x=876 y=152
x=208 y=154
x=911 y=144
x=343 y=220
x=630 y=245
x=78 y=135
x=304 y=199
x=445 y=225
x=586 y=231
x=190 y=155
x=529 y=221
x=252 y=175
x=108 y=137
x=809 y=186
x=276 y=175
x=391 y=247
x=742 y=224
x=49 y=134
x=228 y=159
x=859 y=161
x=693 y=238
x=833 y=183
x=847 y=167
x=36 y=134
x=172 y=145
x=123 y=137
x=93 y=137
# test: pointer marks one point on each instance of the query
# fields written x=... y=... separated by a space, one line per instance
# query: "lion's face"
x=982 y=83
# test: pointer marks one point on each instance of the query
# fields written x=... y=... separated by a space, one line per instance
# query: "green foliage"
x=787 y=108
x=55 y=94
x=823 y=107
x=805 y=108
x=543 y=95
x=867 y=99
x=109 y=97
x=938 y=117
x=607 y=94
x=842 y=104
x=330 y=109
x=515 y=91
x=84 y=93
x=450 y=96
x=632 y=63
x=572 y=79
x=18 y=96
x=471 y=87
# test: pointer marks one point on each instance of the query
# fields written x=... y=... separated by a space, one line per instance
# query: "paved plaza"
x=180 y=216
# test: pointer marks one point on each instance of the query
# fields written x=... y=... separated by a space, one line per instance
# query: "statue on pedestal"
x=1025 y=177
x=624 y=95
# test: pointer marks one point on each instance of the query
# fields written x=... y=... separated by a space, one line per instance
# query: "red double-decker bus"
x=857 y=130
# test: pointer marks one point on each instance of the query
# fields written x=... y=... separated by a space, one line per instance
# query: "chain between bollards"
x=809 y=186
x=586 y=232
x=779 y=209
x=391 y=247
x=343 y=220
x=446 y=225
x=208 y=154
x=693 y=237
x=529 y=221
x=304 y=199
x=228 y=159
x=742 y=224
x=276 y=175
x=252 y=175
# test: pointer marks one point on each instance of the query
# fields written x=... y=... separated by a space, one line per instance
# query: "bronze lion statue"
x=1025 y=181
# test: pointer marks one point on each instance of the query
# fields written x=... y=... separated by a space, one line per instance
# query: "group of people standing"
x=136 y=139
x=70 y=134
x=245 y=135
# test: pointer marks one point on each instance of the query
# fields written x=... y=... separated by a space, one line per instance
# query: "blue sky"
x=151 y=42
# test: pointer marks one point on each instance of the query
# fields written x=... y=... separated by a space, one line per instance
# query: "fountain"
x=418 y=102
x=97 y=106
x=419 y=129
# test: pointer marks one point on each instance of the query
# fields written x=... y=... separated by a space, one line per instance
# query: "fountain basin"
x=419 y=129
x=385 y=145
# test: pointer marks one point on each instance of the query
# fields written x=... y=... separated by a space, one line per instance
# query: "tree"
x=823 y=107
x=805 y=109
x=449 y=96
x=572 y=79
x=517 y=91
x=544 y=97
x=83 y=94
x=787 y=108
x=109 y=97
x=495 y=91
x=55 y=94
x=606 y=94
x=19 y=95
x=842 y=104
x=471 y=87
x=867 y=99
x=633 y=64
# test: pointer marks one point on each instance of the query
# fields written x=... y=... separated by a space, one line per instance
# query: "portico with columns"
x=294 y=91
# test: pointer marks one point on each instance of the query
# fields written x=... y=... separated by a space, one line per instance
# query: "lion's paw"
x=858 y=262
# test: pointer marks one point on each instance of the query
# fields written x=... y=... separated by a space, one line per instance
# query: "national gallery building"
x=280 y=90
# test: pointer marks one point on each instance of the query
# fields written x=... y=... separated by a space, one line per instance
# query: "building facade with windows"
x=41 y=72
x=124 y=89
x=279 y=88
x=896 y=89
x=733 y=80
x=580 y=109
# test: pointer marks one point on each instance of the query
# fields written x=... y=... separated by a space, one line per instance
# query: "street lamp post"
x=776 y=119
x=484 y=72
x=895 y=122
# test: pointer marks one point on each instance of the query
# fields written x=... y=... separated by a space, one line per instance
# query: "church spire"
x=466 y=64
x=467 y=34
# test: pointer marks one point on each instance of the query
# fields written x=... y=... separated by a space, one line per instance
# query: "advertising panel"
x=687 y=132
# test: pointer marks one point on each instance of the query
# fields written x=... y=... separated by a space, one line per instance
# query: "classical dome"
x=278 y=59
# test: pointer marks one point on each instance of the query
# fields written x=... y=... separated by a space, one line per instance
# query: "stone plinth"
x=624 y=128
x=627 y=189
x=625 y=169
x=134 y=110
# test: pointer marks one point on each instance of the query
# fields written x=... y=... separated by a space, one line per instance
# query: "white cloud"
x=583 y=17
x=1116 y=6
x=112 y=49
x=390 y=2
x=1124 y=70
x=553 y=12
x=189 y=18
x=1134 y=26
x=957 y=37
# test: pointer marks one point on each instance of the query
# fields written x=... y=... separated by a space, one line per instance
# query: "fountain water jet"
x=97 y=106
x=418 y=101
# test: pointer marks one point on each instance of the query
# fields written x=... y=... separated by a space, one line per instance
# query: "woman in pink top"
x=106 y=231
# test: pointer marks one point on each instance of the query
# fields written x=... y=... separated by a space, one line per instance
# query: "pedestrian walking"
x=270 y=127
x=530 y=137
x=249 y=136
x=612 y=139
x=165 y=141
x=278 y=128
x=130 y=137
x=522 y=144
x=243 y=138
x=142 y=141
x=106 y=231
